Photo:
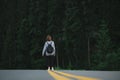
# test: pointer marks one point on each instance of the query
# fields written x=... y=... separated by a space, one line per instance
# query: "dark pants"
x=50 y=61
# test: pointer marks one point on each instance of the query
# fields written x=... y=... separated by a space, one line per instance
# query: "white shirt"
x=45 y=46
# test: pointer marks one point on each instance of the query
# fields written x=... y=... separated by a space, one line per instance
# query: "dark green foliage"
x=86 y=33
x=105 y=58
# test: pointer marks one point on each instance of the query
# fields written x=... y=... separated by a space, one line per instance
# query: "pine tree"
x=103 y=46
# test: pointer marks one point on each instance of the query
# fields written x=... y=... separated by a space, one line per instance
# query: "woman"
x=49 y=51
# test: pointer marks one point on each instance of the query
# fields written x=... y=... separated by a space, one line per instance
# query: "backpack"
x=49 y=48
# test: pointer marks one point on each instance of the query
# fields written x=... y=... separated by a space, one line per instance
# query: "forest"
x=86 y=33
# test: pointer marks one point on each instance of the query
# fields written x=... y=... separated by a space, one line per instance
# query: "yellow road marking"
x=56 y=76
x=76 y=77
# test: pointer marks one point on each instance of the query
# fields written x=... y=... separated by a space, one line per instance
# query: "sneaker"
x=48 y=68
x=52 y=69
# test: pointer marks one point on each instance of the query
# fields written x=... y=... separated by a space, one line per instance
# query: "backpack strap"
x=50 y=43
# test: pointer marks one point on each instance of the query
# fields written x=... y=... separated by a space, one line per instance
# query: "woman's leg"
x=52 y=62
x=48 y=62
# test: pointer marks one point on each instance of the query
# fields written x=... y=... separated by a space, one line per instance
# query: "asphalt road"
x=58 y=75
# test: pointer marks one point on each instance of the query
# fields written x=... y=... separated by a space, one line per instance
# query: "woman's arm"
x=54 y=48
x=44 y=48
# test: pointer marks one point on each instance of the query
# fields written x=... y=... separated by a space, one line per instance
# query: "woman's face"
x=49 y=38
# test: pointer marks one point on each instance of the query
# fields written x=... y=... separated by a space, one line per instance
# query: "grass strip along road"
x=57 y=75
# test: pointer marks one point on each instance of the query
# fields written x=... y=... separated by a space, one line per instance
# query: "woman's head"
x=48 y=38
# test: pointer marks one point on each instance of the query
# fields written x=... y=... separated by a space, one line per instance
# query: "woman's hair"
x=49 y=38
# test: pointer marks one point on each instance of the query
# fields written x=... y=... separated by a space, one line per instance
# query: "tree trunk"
x=89 y=62
x=57 y=60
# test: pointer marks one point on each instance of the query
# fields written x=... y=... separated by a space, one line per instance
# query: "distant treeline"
x=86 y=33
